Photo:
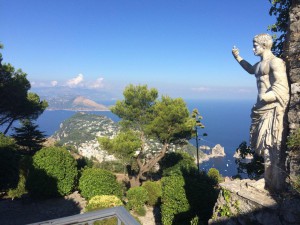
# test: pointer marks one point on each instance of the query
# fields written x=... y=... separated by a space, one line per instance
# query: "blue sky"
x=180 y=47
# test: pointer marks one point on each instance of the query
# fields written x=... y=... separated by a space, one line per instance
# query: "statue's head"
x=264 y=40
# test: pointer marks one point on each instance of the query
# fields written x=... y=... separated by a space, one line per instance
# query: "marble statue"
x=267 y=129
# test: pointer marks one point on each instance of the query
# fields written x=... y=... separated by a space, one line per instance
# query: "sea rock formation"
x=216 y=151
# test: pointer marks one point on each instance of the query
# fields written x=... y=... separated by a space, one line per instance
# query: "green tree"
x=29 y=137
x=279 y=9
x=17 y=102
x=122 y=146
x=143 y=115
x=254 y=168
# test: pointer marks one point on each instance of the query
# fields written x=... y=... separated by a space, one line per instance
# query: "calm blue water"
x=226 y=123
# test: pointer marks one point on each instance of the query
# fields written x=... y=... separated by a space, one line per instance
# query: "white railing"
x=122 y=215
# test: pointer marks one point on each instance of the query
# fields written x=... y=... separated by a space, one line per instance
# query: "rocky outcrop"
x=208 y=153
x=244 y=202
x=292 y=58
x=218 y=151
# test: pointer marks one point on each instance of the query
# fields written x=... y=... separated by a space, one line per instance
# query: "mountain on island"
x=78 y=103
x=82 y=102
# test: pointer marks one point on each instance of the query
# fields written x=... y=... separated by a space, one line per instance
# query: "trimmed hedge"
x=53 y=173
x=154 y=192
x=95 y=181
x=174 y=200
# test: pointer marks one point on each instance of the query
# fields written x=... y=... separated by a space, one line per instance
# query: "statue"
x=267 y=131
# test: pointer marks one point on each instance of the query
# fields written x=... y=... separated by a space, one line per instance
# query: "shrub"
x=174 y=200
x=9 y=163
x=20 y=189
x=154 y=192
x=24 y=165
x=53 y=173
x=214 y=175
x=137 y=197
x=102 y=202
x=95 y=181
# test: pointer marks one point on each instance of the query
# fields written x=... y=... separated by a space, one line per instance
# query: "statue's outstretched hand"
x=235 y=52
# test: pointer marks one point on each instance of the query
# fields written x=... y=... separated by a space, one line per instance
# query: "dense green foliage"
x=29 y=137
x=95 y=181
x=254 y=168
x=154 y=192
x=294 y=145
x=279 y=9
x=123 y=146
x=177 y=163
x=20 y=189
x=293 y=141
x=137 y=197
x=53 y=173
x=214 y=175
x=143 y=117
x=186 y=193
x=174 y=199
x=9 y=163
x=17 y=102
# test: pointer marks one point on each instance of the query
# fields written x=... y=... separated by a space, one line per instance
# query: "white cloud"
x=54 y=83
x=97 y=84
x=75 y=81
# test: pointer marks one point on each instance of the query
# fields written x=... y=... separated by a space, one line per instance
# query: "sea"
x=226 y=123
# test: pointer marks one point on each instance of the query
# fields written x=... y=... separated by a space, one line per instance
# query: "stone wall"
x=245 y=202
x=292 y=58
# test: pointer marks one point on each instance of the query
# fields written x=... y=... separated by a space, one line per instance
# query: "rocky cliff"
x=292 y=58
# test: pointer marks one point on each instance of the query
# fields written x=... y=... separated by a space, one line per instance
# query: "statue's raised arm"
x=247 y=66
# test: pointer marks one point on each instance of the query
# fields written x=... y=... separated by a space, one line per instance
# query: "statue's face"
x=258 y=49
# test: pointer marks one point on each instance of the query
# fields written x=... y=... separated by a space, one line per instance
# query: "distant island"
x=78 y=103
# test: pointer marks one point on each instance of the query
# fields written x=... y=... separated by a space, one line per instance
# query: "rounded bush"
x=214 y=175
x=53 y=173
x=154 y=192
x=102 y=202
x=95 y=181
x=137 y=197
